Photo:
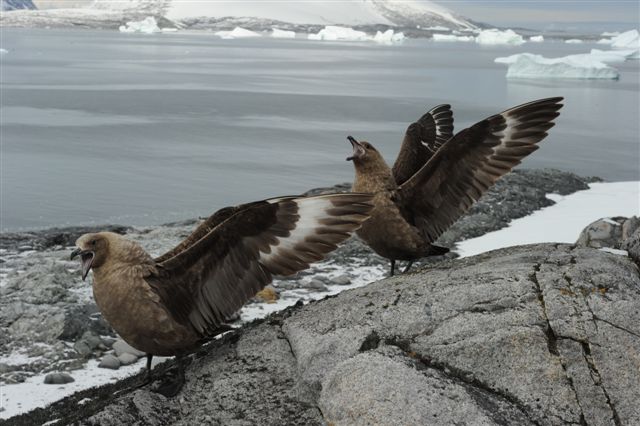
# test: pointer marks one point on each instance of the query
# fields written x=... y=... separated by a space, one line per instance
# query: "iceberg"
x=610 y=33
x=3 y=51
x=574 y=41
x=388 y=37
x=438 y=28
x=147 y=26
x=626 y=40
x=277 y=33
x=451 y=37
x=536 y=39
x=334 y=33
x=494 y=36
x=612 y=56
x=581 y=66
x=237 y=32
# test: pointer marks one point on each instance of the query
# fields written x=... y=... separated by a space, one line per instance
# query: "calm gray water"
x=103 y=127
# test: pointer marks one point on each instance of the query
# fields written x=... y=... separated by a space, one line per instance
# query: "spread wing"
x=216 y=275
x=421 y=140
x=471 y=162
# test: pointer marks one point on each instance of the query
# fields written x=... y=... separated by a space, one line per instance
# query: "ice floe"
x=583 y=66
x=536 y=39
x=237 y=32
x=452 y=37
x=615 y=56
x=278 y=33
x=3 y=51
x=494 y=36
x=574 y=41
x=147 y=26
x=388 y=37
x=626 y=40
x=334 y=33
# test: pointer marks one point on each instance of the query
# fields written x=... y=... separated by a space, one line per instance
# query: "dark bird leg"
x=173 y=379
x=393 y=267
x=148 y=375
x=408 y=266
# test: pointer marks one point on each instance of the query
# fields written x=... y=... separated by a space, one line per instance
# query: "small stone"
x=82 y=348
x=120 y=347
x=268 y=295
x=92 y=339
x=109 y=361
x=58 y=379
x=316 y=285
x=127 y=359
x=108 y=341
x=341 y=280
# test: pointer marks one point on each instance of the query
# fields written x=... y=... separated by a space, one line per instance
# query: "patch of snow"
x=452 y=37
x=581 y=66
x=278 y=33
x=237 y=32
x=388 y=37
x=147 y=26
x=335 y=33
x=614 y=251
x=494 y=36
x=438 y=28
x=536 y=39
x=574 y=41
x=563 y=221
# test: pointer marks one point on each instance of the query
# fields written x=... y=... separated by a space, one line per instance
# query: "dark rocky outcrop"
x=545 y=334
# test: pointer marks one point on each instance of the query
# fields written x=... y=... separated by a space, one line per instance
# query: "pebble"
x=127 y=358
x=58 y=379
x=109 y=361
x=120 y=347
x=341 y=280
x=316 y=285
x=82 y=348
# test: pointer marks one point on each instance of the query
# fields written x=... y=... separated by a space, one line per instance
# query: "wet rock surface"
x=545 y=334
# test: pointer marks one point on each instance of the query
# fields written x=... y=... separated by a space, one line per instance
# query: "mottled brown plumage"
x=168 y=305
x=428 y=190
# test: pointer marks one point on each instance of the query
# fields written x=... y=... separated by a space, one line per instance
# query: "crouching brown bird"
x=437 y=177
x=170 y=305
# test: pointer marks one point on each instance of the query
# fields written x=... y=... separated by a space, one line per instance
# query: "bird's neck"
x=373 y=178
x=126 y=259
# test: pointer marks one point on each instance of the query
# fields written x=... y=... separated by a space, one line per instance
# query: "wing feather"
x=421 y=140
x=213 y=277
x=467 y=165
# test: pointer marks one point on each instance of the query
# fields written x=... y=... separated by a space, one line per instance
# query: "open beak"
x=358 y=149
x=86 y=256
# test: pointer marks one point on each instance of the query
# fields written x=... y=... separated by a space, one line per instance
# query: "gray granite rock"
x=127 y=358
x=58 y=379
x=109 y=361
x=632 y=246
x=608 y=232
x=544 y=334
x=120 y=347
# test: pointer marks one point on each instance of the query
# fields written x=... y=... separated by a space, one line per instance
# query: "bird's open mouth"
x=86 y=257
x=358 y=149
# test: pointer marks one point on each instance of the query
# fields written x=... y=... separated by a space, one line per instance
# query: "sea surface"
x=102 y=127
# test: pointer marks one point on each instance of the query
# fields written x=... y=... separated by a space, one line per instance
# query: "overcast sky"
x=551 y=14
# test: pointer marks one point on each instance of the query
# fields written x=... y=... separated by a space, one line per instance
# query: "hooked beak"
x=358 y=149
x=86 y=256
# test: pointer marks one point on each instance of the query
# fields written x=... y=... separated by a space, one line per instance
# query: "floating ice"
x=610 y=33
x=3 y=51
x=388 y=37
x=528 y=65
x=536 y=39
x=626 y=40
x=613 y=56
x=238 y=32
x=494 y=36
x=574 y=41
x=451 y=37
x=438 y=28
x=147 y=26
x=333 y=33
x=277 y=33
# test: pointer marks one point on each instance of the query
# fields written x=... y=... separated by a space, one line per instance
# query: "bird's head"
x=365 y=155
x=93 y=250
